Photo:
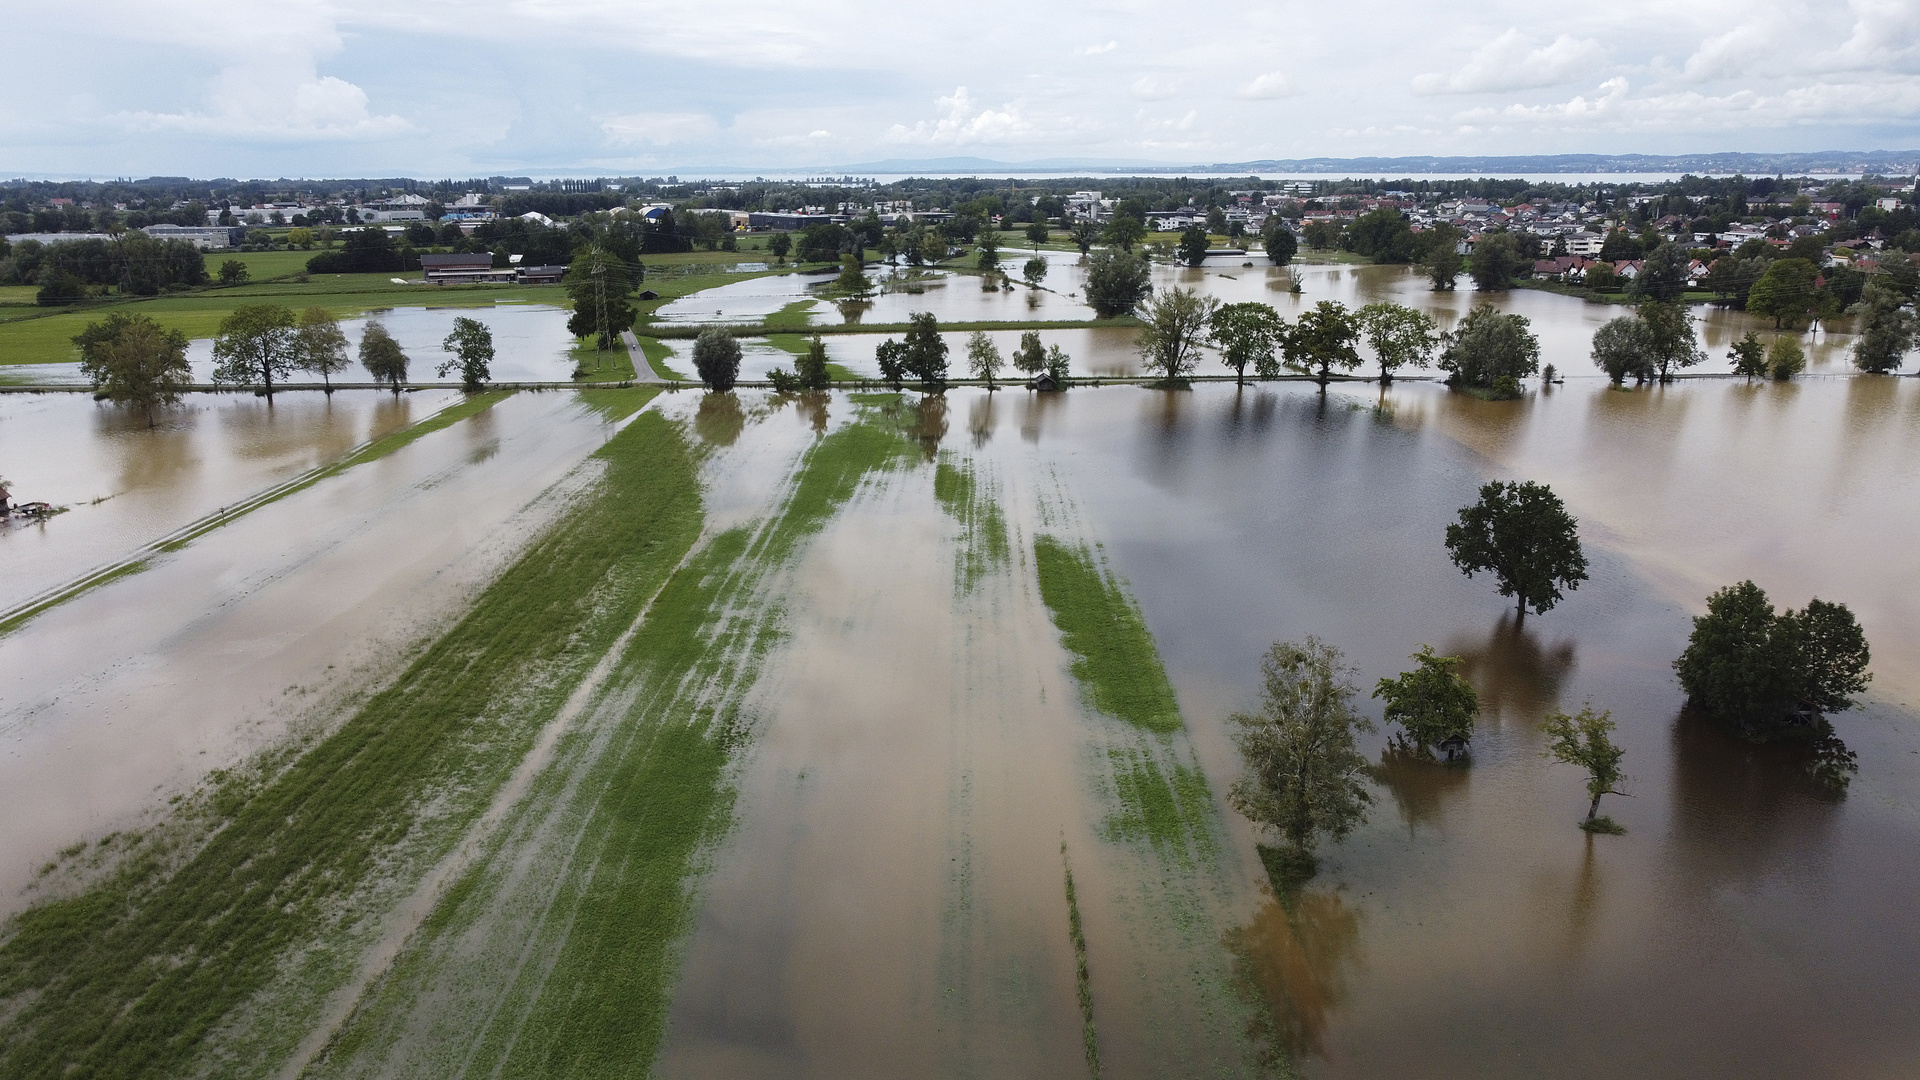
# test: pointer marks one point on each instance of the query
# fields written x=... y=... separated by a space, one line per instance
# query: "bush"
x=716 y=357
x=1116 y=283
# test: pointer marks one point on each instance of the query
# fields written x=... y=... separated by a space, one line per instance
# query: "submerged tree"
x=381 y=355
x=319 y=345
x=1583 y=741
x=1247 y=334
x=1303 y=769
x=1750 y=665
x=1280 y=244
x=1749 y=356
x=1034 y=271
x=1442 y=256
x=811 y=369
x=925 y=355
x=1523 y=534
x=255 y=344
x=1431 y=703
x=1400 y=336
x=1323 y=338
x=1116 y=283
x=471 y=346
x=983 y=357
x=134 y=362
x=1623 y=347
x=1490 y=350
x=1670 y=337
x=1176 y=328
x=1885 y=330
x=1785 y=358
x=1031 y=357
x=716 y=358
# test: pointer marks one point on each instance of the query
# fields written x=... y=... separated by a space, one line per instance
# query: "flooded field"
x=883 y=735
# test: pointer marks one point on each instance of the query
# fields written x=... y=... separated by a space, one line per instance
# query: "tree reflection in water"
x=1513 y=671
x=811 y=405
x=928 y=423
x=1291 y=963
x=719 y=420
x=980 y=419
x=1421 y=786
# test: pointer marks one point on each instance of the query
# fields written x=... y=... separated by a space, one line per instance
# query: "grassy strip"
x=657 y=354
x=617 y=403
x=565 y=969
x=1082 y=980
x=591 y=364
x=984 y=547
x=130 y=977
x=801 y=344
x=764 y=329
x=797 y=315
x=1118 y=667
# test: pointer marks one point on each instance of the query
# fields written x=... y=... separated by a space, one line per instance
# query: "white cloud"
x=267 y=101
x=658 y=128
x=963 y=125
x=1272 y=85
x=1736 y=52
x=1513 y=61
x=1614 y=109
x=1154 y=88
x=1886 y=37
x=1096 y=50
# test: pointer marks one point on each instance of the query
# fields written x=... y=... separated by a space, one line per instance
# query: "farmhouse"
x=462 y=269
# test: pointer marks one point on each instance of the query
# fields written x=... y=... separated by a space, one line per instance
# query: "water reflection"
x=1294 y=960
x=1515 y=673
x=980 y=419
x=719 y=419
x=812 y=409
x=1422 y=788
x=1037 y=414
x=928 y=424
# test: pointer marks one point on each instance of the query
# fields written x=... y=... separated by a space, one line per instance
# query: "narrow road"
x=642 y=371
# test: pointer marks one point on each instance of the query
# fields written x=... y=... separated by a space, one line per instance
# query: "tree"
x=133 y=362
x=1176 y=328
x=1784 y=293
x=1497 y=261
x=1058 y=364
x=811 y=369
x=381 y=355
x=1382 y=235
x=1193 y=245
x=1303 y=769
x=1124 y=231
x=780 y=243
x=233 y=272
x=1621 y=246
x=852 y=280
x=1747 y=664
x=989 y=250
x=300 y=238
x=932 y=248
x=1749 y=356
x=891 y=356
x=1216 y=220
x=1030 y=358
x=600 y=284
x=1084 y=233
x=255 y=344
x=1280 y=244
x=1321 y=235
x=1247 y=333
x=1670 y=337
x=471 y=346
x=1442 y=256
x=1400 y=336
x=1886 y=331
x=1323 y=338
x=1623 y=347
x=1034 y=272
x=716 y=358
x=319 y=346
x=1524 y=536
x=1431 y=703
x=983 y=357
x=1488 y=346
x=1582 y=741
x=1037 y=233
x=1664 y=274
x=926 y=352
x=1116 y=283
x=1786 y=359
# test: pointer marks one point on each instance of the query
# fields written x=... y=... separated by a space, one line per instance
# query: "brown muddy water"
x=259 y=630
x=891 y=902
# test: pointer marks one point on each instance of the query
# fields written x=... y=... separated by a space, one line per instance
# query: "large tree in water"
x=1524 y=536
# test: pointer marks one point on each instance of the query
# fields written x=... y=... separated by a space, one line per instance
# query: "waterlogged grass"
x=591 y=364
x=801 y=344
x=133 y=976
x=555 y=956
x=617 y=403
x=794 y=316
x=983 y=547
x=22 y=616
x=1082 y=977
x=1114 y=658
x=1170 y=806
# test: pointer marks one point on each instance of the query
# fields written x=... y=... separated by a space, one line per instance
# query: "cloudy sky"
x=445 y=88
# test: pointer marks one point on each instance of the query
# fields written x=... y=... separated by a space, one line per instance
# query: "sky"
x=430 y=88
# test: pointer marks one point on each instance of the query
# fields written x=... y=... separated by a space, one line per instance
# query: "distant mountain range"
x=1884 y=162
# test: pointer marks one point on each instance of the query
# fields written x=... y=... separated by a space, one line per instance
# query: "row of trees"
x=134 y=362
x=133 y=262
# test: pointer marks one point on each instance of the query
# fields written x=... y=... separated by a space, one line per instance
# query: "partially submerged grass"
x=801 y=344
x=657 y=353
x=594 y=364
x=1114 y=658
x=22 y=616
x=983 y=547
x=1082 y=978
x=132 y=976
x=555 y=956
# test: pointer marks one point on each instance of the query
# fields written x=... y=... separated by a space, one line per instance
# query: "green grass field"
x=1114 y=656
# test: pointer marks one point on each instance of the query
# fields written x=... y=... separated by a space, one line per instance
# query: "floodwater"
x=265 y=627
x=530 y=341
x=891 y=900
